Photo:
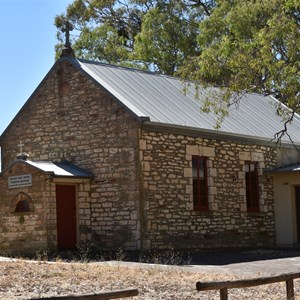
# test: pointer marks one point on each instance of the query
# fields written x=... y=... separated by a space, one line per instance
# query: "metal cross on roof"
x=67 y=28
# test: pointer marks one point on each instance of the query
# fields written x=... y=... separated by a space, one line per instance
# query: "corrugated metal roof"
x=162 y=99
x=60 y=168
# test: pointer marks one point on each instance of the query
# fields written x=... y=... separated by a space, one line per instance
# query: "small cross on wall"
x=22 y=155
x=21 y=147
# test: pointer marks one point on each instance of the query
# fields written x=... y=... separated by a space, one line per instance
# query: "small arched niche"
x=22 y=203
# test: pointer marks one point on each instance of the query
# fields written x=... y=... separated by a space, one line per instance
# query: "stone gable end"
x=69 y=117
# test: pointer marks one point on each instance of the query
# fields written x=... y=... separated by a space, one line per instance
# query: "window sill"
x=203 y=212
x=18 y=213
x=254 y=213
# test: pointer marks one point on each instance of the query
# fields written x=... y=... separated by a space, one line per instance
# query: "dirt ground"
x=20 y=279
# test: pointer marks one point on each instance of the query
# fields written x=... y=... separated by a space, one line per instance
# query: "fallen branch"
x=99 y=296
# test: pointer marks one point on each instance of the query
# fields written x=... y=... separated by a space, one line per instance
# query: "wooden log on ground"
x=99 y=296
x=219 y=285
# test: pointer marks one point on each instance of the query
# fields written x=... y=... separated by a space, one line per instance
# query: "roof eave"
x=24 y=162
x=53 y=175
x=213 y=134
x=295 y=168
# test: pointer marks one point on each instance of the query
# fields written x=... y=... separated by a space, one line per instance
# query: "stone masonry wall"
x=70 y=117
x=24 y=232
x=169 y=218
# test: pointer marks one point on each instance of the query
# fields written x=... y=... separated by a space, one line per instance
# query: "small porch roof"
x=287 y=169
x=60 y=169
x=55 y=169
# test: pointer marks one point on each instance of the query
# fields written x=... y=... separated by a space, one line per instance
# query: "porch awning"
x=287 y=169
x=60 y=169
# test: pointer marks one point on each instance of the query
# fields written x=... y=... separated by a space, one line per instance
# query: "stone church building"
x=123 y=158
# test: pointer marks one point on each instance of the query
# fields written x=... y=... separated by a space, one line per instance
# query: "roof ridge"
x=128 y=68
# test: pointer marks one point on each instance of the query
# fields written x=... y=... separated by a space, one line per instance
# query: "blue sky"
x=28 y=37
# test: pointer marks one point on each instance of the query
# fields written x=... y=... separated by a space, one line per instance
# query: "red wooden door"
x=66 y=216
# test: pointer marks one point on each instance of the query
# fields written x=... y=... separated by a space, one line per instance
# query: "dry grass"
x=25 y=280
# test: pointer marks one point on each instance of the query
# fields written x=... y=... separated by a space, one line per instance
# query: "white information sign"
x=19 y=181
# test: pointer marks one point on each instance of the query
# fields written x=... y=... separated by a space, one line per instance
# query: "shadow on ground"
x=213 y=257
x=176 y=257
x=239 y=256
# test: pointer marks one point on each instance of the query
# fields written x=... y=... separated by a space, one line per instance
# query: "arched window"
x=22 y=203
x=22 y=206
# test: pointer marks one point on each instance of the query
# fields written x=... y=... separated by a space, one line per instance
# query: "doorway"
x=66 y=216
x=297 y=199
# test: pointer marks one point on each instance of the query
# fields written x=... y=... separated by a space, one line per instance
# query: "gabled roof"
x=55 y=169
x=162 y=99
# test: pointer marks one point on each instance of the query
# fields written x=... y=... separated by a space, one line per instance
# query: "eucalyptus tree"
x=250 y=46
x=150 y=34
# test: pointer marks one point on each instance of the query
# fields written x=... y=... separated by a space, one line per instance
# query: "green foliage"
x=167 y=37
x=105 y=29
x=156 y=35
x=21 y=219
x=238 y=45
x=250 y=46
